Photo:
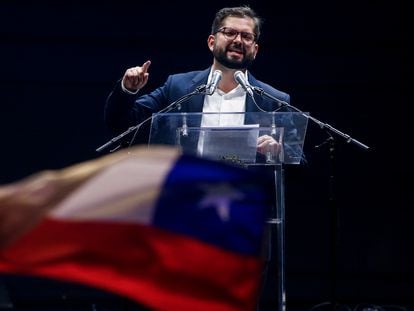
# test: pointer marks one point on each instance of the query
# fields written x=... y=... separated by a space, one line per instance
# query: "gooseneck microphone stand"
x=322 y=125
x=199 y=90
x=330 y=142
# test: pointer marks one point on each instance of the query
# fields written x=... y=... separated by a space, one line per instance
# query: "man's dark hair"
x=240 y=11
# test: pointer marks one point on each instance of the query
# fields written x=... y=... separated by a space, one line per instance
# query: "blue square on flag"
x=217 y=203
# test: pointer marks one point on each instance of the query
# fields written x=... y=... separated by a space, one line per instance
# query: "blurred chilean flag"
x=169 y=231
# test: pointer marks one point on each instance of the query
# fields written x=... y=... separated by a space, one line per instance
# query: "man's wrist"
x=126 y=90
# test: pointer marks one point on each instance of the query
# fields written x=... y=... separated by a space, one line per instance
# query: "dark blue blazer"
x=125 y=110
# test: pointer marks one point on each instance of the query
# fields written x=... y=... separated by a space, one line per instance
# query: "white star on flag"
x=220 y=197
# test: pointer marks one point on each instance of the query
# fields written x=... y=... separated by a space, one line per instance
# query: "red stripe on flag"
x=160 y=269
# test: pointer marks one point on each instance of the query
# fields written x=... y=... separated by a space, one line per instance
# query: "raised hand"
x=136 y=78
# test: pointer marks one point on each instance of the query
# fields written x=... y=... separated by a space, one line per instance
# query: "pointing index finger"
x=146 y=65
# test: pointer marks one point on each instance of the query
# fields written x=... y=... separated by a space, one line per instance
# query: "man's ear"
x=210 y=42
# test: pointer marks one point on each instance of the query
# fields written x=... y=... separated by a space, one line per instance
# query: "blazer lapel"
x=197 y=101
x=250 y=105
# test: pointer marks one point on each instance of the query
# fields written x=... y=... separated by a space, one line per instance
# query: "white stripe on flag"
x=123 y=192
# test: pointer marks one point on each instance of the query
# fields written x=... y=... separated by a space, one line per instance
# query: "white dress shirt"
x=220 y=102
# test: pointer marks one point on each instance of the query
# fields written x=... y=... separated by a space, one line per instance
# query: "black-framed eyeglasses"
x=231 y=34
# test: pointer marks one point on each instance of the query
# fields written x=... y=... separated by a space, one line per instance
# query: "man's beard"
x=221 y=57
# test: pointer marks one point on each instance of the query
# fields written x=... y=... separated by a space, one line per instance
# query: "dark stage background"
x=346 y=62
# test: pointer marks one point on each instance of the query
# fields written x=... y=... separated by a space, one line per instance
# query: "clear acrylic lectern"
x=236 y=143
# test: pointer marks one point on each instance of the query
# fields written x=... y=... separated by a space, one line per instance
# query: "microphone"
x=239 y=77
x=214 y=82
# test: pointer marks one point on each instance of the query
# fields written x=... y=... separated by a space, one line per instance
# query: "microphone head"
x=215 y=78
x=238 y=75
x=218 y=72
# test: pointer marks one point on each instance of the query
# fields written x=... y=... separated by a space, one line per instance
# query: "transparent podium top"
x=233 y=136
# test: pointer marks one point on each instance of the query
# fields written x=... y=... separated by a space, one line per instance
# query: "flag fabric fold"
x=170 y=231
